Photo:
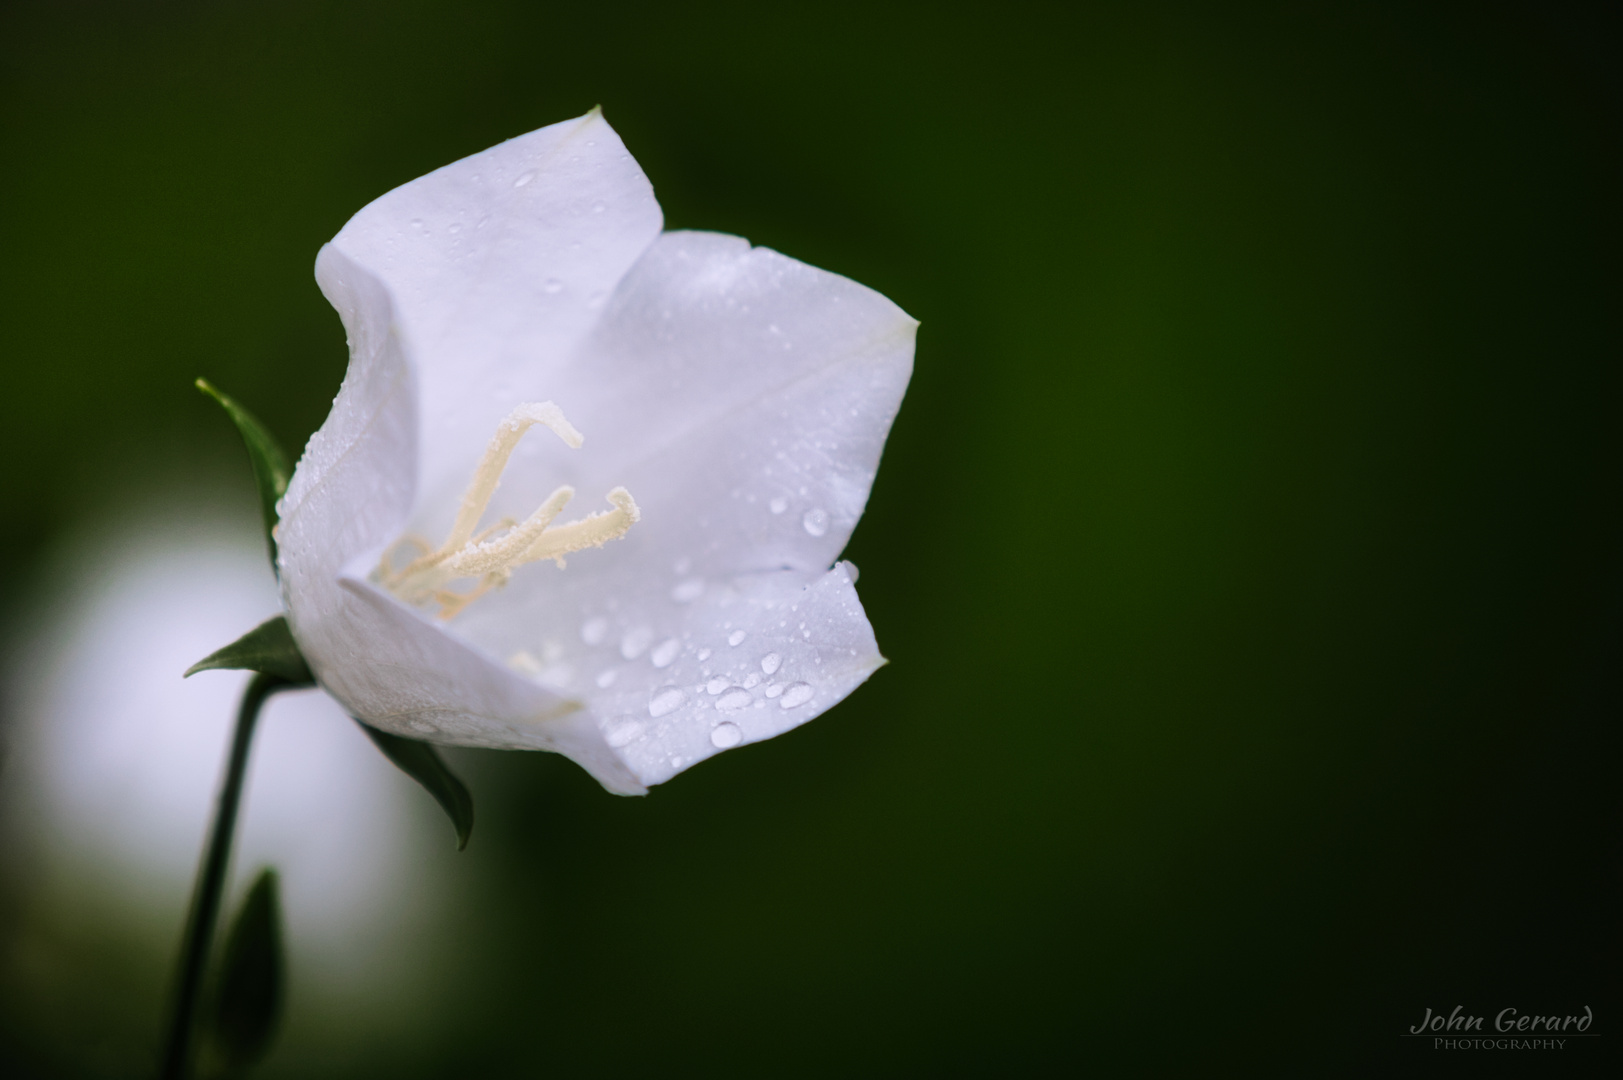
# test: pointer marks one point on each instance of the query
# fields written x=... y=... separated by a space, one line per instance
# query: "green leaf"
x=271 y=472
x=252 y=977
x=268 y=647
x=421 y=762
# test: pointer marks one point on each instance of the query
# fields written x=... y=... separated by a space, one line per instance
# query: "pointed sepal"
x=268 y=648
x=421 y=762
x=271 y=472
x=250 y=986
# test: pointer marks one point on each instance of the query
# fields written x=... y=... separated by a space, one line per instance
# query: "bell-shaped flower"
x=585 y=483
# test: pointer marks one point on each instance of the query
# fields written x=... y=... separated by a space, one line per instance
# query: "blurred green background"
x=1246 y=550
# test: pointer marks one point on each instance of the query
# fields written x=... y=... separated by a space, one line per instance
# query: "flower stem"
x=205 y=909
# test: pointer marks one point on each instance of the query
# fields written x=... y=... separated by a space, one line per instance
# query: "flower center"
x=421 y=576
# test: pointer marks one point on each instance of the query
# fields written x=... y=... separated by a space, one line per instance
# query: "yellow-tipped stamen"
x=488 y=558
x=593 y=531
x=494 y=552
x=494 y=461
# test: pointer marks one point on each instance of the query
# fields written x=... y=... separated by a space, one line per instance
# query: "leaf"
x=271 y=471
x=252 y=977
x=268 y=647
x=421 y=762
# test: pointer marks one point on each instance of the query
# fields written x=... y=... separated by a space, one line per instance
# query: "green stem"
x=205 y=910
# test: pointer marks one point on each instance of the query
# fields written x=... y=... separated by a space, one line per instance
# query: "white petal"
x=820 y=648
x=741 y=396
x=349 y=497
x=356 y=481
x=499 y=264
x=722 y=380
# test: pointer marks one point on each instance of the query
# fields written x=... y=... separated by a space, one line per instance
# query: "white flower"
x=734 y=404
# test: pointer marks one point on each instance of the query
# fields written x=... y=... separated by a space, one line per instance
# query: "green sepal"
x=421 y=762
x=271 y=472
x=268 y=648
x=250 y=986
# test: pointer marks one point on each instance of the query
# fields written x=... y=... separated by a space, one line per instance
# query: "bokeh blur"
x=1246 y=551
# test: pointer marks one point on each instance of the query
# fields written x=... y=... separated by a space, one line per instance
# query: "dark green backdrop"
x=1246 y=550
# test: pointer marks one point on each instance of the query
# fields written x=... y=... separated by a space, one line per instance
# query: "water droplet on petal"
x=815 y=521
x=665 y=700
x=524 y=178
x=716 y=686
x=773 y=689
x=624 y=730
x=704 y=654
x=778 y=505
x=726 y=736
x=665 y=652
x=636 y=642
x=454 y=227
x=553 y=285
x=736 y=638
x=771 y=662
x=687 y=591
x=734 y=699
x=795 y=695
x=593 y=631
x=751 y=680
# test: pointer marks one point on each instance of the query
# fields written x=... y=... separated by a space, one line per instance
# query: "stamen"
x=476 y=559
x=489 y=472
x=593 y=531
x=452 y=603
x=488 y=532
x=492 y=557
